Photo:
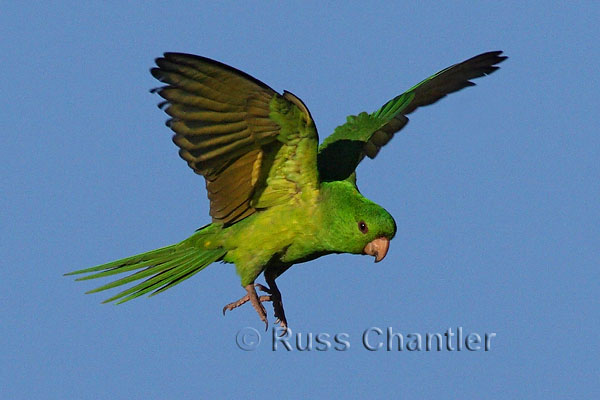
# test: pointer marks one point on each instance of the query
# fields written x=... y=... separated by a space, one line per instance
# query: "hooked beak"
x=377 y=248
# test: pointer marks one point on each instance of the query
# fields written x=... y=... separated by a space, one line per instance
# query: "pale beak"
x=377 y=248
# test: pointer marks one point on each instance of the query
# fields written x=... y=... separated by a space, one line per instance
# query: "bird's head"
x=353 y=223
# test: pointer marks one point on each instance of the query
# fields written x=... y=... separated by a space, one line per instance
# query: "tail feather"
x=126 y=264
x=158 y=267
x=163 y=268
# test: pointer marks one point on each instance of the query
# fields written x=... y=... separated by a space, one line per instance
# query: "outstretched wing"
x=231 y=128
x=365 y=134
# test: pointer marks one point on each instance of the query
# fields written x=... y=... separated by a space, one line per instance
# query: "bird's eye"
x=363 y=227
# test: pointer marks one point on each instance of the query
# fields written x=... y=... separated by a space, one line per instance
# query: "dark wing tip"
x=170 y=55
x=494 y=53
x=193 y=60
x=158 y=73
x=485 y=63
x=491 y=58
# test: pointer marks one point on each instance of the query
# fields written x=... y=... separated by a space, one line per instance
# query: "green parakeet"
x=277 y=198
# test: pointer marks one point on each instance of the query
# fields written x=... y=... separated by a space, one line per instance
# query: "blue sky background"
x=495 y=191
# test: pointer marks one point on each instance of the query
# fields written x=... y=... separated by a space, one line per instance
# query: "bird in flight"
x=277 y=197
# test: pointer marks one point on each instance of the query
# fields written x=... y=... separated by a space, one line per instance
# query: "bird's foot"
x=255 y=300
x=277 y=306
x=273 y=295
x=279 y=314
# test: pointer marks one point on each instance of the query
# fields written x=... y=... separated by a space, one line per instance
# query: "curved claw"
x=283 y=326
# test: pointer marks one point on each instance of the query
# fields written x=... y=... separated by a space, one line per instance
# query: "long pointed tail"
x=163 y=268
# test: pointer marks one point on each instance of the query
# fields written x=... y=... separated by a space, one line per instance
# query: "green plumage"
x=277 y=198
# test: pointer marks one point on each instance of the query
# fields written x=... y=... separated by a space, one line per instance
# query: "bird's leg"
x=254 y=300
x=257 y=304
x=276 y=299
